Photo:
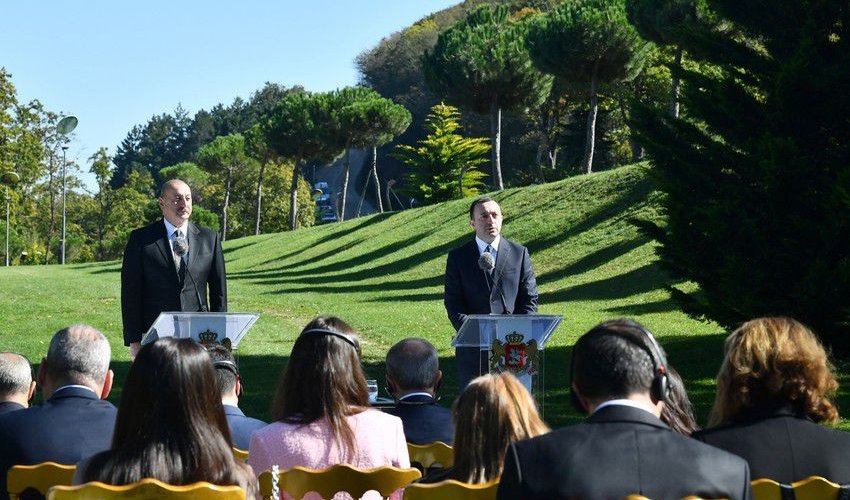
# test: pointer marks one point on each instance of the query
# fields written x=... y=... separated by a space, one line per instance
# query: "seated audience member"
x=321 y=409
x=678 y=412
x=491 y=413
x=774 y=387
x=16 y=384
x=230 y=387
x=170 y=425
x=74 y=422
x=623 y=448
x=413 y=378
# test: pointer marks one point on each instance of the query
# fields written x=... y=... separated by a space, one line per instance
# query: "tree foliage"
x=756 y=184
x=444 y=165
x=483 y=64
x=587 y=43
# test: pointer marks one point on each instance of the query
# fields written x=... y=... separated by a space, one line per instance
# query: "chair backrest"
x=431 y=454
x=689 y=497
x=451 y=489
x=39 y=477
x=146 y=489
x=240 y=455
x=811 y=488
x=298 y=481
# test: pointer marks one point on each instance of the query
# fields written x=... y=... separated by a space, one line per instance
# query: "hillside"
x=383 y=274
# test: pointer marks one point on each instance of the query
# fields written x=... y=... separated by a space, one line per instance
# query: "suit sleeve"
x=509 y=485
x=526 y=300
x=217 y=280
x=131 y=293
x=453 y=293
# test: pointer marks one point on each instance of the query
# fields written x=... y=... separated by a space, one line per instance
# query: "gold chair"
x=39 y=477
x=298 y=481
x=690 y=497
x=430 y=454
x=146 y=489
x=240 y=455
x=451 y=489
x=811 y=488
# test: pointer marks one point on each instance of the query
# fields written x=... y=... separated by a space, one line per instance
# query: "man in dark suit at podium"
x=168 y=266
x=501 y=282
x=619 y=377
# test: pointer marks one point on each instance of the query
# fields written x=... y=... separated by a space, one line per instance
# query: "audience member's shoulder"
x=377 y=418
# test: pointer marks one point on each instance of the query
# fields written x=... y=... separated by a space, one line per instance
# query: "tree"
x=373 y=121
x=662 y=22
x=225 y=157
x=587 y=43
x=297 y=130
x=102 y=169
x=482 y=63
x=444 y=165
x=755 y=183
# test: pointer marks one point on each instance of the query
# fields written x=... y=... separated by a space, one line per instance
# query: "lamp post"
x=65 y=126
x=8 y=179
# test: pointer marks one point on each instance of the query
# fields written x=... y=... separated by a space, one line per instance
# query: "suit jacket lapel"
x=165 y=249
x=193 y=243
x=504 y=254
x=473 y=259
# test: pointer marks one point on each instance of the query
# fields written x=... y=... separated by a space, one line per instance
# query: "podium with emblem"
x=514 y=343
x=225 y=328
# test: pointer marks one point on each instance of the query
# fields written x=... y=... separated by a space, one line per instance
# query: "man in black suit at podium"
x=168 y=266
x=489 y=274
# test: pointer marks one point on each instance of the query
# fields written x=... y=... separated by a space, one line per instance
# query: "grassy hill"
x=383 y=274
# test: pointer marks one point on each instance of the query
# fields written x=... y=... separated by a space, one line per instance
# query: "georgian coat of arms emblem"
x=513 y=355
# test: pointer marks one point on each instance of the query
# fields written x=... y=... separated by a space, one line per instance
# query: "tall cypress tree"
x=756 y=182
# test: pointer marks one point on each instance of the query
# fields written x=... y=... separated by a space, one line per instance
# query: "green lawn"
x=383 y=274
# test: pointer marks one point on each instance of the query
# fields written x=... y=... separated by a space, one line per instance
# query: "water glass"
x=372 y=387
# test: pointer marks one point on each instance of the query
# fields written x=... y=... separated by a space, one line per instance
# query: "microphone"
x=487 y=263
x=181 y=246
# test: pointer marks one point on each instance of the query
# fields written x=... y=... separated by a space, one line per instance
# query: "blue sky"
x=115 y=63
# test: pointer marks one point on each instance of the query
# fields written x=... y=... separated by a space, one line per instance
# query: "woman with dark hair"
x=321 y=408
x=170 y=424
x=775 y=386
x=678 y=412
x=493 y=411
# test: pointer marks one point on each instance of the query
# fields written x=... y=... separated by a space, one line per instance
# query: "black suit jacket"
x=424 y=420
x=783 y=446
x=149 y=281
x=466 y=287
x=619 y=451
x=10 y=406
x=241 y=426
x=70 y=426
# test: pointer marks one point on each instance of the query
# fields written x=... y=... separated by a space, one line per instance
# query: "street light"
x=65 y=126
x=8 y=179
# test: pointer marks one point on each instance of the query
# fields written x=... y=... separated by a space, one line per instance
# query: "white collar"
x=75 y=386
x=626 y=402
x=415 y=394
x=170 y=228
x=482 y=245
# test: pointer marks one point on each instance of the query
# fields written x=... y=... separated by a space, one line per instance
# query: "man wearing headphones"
x=619 y=378
x=230 y=387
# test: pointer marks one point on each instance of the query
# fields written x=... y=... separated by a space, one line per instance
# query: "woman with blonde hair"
x=492 y=412
x=774 y=387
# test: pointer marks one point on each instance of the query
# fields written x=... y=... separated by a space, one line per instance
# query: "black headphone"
x=659 y=389
x=227 y=365
x=324 y=331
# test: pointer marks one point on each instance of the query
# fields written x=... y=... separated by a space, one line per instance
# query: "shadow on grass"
x=644 y=279
x=592 y=260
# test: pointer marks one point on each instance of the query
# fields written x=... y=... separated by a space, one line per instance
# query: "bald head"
x=16 y=382
x=412 y=365
x=78 y=355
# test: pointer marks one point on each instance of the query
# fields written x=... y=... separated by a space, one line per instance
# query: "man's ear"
x=391 y=387
x=238 y=387
x=107 y=384
x=31 y=392
x=438 y=380
x=41 y=375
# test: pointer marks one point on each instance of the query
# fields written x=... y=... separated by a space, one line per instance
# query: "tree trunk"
x=375 y=177
x=674 y=84
x=259 y=198
x=495 y=142
x=226 y=202
x=345 y=172
x=460 y=181
x=293 y=196
x=587 y=163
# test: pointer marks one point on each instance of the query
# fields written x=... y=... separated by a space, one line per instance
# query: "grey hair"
x=413 y=363
x=79 y=354
x=15 y=374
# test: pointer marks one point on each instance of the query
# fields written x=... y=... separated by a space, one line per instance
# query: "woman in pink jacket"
x=321 y=409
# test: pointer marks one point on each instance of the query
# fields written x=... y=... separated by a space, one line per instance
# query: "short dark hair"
x=413 y=364
x=613 y=360
x=479 y=201
x=225 y=367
